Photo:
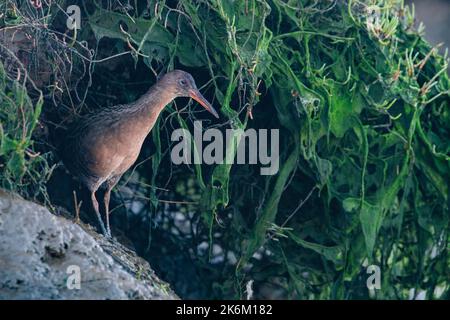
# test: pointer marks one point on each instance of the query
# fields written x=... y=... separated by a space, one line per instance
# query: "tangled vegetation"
x=362 y=104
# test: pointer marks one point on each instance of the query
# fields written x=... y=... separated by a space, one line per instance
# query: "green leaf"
x=148 y=35
x=342 y=111
x=371 y=217
x=334 y=254
x=16 y=165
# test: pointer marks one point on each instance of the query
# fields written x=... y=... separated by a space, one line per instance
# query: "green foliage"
x=362 y=101
x=21 y=169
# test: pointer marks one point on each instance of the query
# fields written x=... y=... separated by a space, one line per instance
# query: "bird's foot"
x=106 y=232
x=108 y=229
x=102 y=228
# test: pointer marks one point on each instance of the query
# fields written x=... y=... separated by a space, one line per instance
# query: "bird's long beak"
x=197 y=96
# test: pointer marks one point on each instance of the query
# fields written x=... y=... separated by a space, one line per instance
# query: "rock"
x=41 y=254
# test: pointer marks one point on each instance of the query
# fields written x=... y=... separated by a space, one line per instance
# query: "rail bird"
x=102 y=145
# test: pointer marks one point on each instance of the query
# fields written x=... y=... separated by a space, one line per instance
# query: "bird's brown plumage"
x=103 y=145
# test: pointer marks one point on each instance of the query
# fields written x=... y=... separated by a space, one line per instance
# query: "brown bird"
x=103 y=145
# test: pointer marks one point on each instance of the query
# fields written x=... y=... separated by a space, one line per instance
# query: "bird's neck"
x=155 y=99
x=150 y=105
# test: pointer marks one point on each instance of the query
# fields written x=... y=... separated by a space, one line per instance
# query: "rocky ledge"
x=43 y=256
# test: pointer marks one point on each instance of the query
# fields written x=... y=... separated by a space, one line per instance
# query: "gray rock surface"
x=40 y=255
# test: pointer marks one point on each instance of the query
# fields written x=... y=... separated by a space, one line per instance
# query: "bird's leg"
x=106 y=201
x=110 y=184
x=97 y=212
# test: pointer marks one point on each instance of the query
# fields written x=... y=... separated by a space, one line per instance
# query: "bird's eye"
x=183 y=82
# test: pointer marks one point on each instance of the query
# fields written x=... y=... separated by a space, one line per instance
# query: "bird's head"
x=182 y=84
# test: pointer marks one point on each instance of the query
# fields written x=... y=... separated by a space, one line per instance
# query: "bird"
x=102 y=145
